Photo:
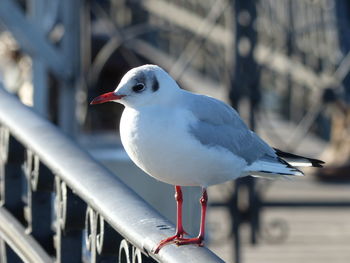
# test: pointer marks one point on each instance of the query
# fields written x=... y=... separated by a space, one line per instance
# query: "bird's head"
x=144 y=85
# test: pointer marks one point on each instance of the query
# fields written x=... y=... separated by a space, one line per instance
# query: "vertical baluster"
x=4 y=138
x=107 y=239
x=2 y=251
x=101 y=242
x=7 y=254
x=124 y=252
x=100 y=238
x=11 y=157
x=39 y=182
x=90 y=235
x=130 y=254
x=70 y=221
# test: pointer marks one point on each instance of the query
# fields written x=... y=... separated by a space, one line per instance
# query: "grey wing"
x=220 y=125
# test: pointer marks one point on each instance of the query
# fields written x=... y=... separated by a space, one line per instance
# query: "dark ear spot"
x=155 y=84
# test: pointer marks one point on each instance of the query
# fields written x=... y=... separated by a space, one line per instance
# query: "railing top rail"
x=122 y=208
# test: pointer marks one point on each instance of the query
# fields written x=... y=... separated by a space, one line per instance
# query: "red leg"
x=200 y=238
x=179 y=200
x=178 y=237
x=179 y=227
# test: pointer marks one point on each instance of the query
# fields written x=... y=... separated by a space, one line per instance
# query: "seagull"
x=186 y=139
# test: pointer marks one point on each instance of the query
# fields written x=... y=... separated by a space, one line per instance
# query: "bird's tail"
x=284 y=166
x=297 y=160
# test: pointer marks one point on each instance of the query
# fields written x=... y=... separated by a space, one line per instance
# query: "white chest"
x=150 y=138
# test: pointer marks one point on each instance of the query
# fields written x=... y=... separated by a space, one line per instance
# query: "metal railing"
x=58 y=202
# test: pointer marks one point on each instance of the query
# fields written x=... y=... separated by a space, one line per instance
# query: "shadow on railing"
x=59 y=203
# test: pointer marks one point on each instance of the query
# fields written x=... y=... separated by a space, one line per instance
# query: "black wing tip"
x=314 y=162
x=292 y=168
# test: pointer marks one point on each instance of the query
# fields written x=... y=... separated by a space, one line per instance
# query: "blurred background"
x=283 y=64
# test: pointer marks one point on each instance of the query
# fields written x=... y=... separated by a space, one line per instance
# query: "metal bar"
x=24 y=245
x=41 y=91
x=71 y=56
x=343 y=69
x=7 y=254
x=39 y=67
x=122 y=208
x=39 y=206
x=70 y=211
x=31 y=39
x=10 y=177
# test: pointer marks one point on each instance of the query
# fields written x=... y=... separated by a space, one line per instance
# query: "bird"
x=188 y=139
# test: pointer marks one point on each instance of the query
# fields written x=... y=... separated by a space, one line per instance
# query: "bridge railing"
x=59 y=203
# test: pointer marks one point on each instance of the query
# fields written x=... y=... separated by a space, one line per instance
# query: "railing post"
x=11 y=157
x=101 y=240
x=71 y=17
x=70 y=211
x=39 y=182
x=40 y=70
x=7 y=254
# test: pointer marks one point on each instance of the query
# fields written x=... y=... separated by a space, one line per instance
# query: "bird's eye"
x=138 y=87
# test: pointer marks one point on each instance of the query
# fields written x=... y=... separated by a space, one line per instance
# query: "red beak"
x=106 y=97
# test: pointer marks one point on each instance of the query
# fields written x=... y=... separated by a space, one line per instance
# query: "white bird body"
x=185 y=139
x=163 y=148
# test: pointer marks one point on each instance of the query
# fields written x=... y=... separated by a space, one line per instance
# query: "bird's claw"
x=179 y=241
x=185 y=241
x=165 y=242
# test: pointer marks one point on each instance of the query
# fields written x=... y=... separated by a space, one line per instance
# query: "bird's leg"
x=199 y=239
x=179 y=200
x=178 y=238
x=179 y=227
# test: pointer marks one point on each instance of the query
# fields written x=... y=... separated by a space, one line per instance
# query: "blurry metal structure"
x=299 y=50
x=282 y=53
x=33 y=28
x=70 y=207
